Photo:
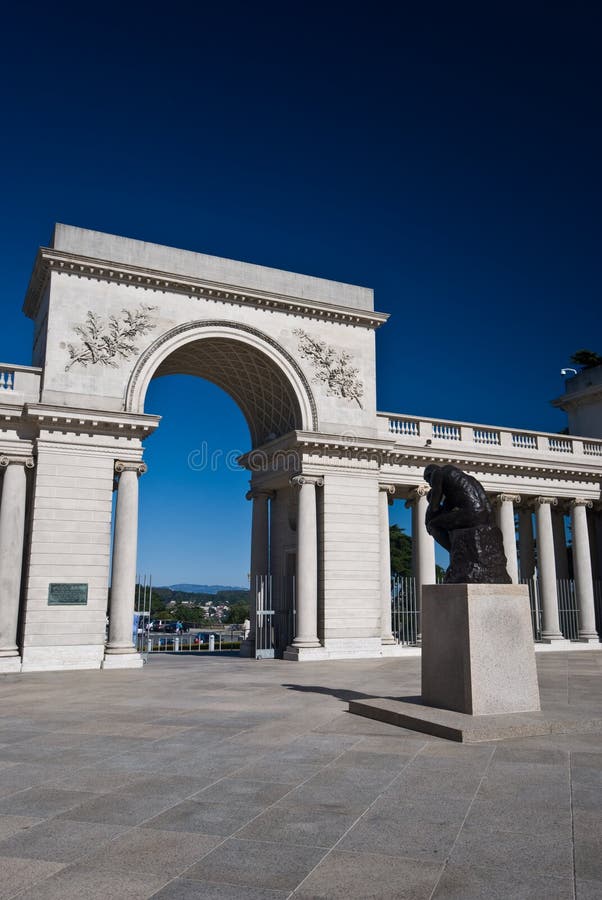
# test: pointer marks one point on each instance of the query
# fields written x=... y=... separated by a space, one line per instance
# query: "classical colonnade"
x=550 y=558
x=547 y=554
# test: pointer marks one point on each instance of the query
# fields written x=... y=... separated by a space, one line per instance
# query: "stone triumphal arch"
x=297 y=354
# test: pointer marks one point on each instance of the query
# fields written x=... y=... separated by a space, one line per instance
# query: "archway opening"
x=218 y=397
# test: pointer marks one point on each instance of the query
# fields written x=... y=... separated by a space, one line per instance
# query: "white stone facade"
x=298 y=355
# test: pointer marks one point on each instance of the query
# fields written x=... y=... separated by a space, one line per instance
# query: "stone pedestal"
x=477 y=649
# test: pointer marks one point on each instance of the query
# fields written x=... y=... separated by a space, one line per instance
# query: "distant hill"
x=204 y=588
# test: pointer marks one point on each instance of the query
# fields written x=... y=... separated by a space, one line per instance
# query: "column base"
x=294 y=653
x=388 y=640
x=553 y=638
x=10 y=664
x=126 y=660
x=589 y=638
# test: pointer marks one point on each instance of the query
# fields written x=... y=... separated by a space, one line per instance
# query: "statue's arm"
x=435 y=495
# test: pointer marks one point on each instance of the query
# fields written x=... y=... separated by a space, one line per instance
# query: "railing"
x=568 y=611
x=405 y=615
x=485 y=438
x=157 y=642
x=590 y=448
x=7 y=380
x=19 y=384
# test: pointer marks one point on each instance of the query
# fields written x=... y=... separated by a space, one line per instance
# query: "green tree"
x=237 y=614
x=401 y=551
x=587 y=359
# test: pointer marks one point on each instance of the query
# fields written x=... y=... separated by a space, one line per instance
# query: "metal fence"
x=275 y=605
x=156 y=642
x=404 y=611
x=568 y=610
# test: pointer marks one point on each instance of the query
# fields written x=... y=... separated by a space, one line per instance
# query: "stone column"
x=260 y=558
x=526 y=549
x=423 y=545
x=307 y=563
x=505 y=517
x=12 y=534
x=125 y=549
x=386 y=492
x=560 y=549
x=546 y=569
x=582 y=565
x=594 y=522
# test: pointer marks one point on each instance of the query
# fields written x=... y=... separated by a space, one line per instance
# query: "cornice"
x=384 y=453
x=49 y=260
x=52 y=417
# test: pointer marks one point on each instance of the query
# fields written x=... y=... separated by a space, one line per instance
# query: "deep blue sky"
x=446 y=155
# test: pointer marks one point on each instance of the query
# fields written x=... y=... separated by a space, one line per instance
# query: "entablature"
x=49 y=260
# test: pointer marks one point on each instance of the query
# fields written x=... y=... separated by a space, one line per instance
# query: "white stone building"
x=298 y=355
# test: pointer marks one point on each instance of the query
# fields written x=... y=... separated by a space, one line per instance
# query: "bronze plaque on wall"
x=67 y=594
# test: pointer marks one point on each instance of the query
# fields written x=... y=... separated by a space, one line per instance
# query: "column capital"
x=388 y=488
x=421 y=490
x=300 y=480
x=515 y=499
x=27 y=461
x=258 y=493
x=127 y=466
x=541 y=501
x=581 y=501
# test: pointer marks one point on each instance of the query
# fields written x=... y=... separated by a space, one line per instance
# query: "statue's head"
x=429 y=472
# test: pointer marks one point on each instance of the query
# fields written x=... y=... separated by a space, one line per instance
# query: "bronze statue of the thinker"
x=461 y=519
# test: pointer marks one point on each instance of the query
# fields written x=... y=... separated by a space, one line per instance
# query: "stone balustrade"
x=417 y=431
x=19 y=384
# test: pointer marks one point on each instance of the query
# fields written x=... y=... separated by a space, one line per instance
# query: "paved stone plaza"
x=217 y=777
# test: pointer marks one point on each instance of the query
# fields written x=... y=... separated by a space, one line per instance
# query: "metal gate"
x=274 y=616
x=142 y=614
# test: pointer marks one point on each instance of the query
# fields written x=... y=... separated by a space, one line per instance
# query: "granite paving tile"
x=368 y=876
x=147 y=850
x=499 y=813
x=587 y=797
x=14 y=824
x=348 y=785
x=239 y=790
x=258 y=864
x=588 y=890
x=384 y=762
x=281 y=771
x=588 y=843
x=312 y=825
x=422 y=831
x=19 y=874
x=535 y=852
x=475 y=883
x=206 y=818
x=42 y=801
x=119 y=809
x=83 y=882
x=180 y=889
x=58 y=840
x=18 y=777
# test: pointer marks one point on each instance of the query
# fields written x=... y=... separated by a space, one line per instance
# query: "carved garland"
x=332 y=367
x=105 y=342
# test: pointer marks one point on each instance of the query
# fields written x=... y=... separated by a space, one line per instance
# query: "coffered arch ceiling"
x=256 y=383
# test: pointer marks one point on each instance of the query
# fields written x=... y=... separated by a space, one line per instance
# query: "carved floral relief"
x=106 y=342
x=332 y=367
